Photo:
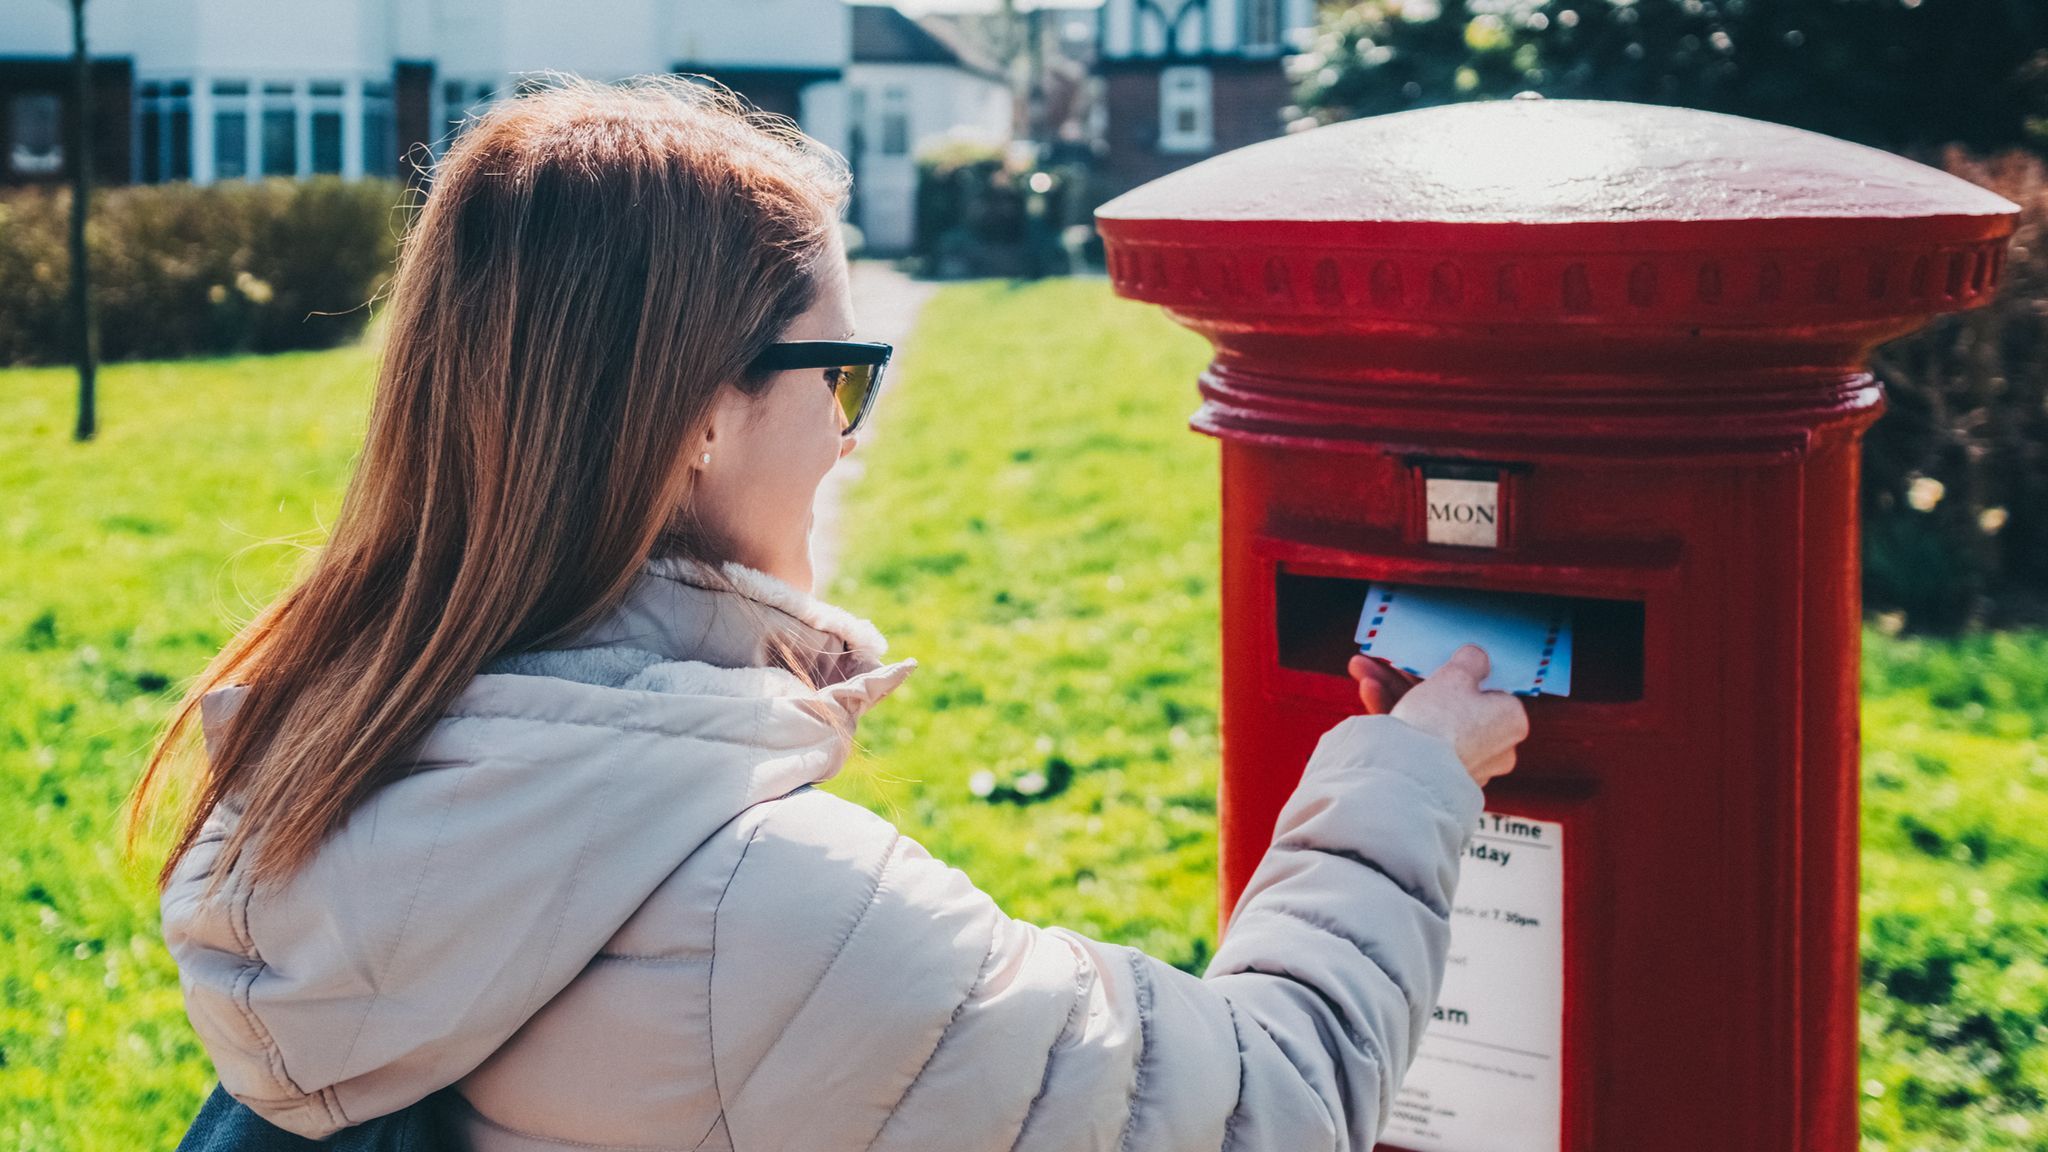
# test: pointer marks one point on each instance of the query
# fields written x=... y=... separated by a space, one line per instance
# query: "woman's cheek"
x=820 y=448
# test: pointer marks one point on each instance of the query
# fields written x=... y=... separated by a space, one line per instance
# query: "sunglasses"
x=858 y=363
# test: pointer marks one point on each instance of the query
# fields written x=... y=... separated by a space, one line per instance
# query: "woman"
x=512 y=790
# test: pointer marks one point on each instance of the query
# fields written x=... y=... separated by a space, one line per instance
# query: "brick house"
x=1187 y=79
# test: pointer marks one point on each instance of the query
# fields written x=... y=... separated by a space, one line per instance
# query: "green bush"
x=977 y=214
x=970 y=211
x=1891 y=73
x=1955 y=477
x=183 y=270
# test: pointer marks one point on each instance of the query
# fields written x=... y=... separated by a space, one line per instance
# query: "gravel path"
x=885 y=307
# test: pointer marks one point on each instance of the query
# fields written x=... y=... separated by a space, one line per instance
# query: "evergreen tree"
x=1898 y=74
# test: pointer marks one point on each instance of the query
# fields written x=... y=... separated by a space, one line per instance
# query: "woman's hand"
x=1483 y=727
x=1380 y=684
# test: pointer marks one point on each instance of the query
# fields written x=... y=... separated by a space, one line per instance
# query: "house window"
x=35 y=132
x=325 y=99
x=895 y=122
x=1184 y=109
x=163 y=130
x=280 y=129
x=1259 y=24
x=461 y=100
x=380 y=143
x=230 y=129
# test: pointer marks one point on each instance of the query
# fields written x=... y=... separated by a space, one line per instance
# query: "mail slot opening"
x=1316 y=617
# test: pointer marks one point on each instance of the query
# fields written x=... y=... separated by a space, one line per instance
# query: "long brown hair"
x=592 y=264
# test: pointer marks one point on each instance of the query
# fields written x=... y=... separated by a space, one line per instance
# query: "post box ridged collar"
x=1527 y=210
x=1531 y=277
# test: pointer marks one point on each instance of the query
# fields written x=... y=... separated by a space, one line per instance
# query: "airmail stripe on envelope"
x=1527 y=638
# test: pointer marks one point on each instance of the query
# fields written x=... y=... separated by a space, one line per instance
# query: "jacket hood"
x=555 y=794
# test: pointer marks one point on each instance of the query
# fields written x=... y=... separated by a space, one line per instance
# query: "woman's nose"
x=846 y=444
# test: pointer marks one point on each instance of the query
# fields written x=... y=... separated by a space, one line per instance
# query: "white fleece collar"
x=858 y=634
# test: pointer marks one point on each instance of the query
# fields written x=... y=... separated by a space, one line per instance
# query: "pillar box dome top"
x=1549 y=211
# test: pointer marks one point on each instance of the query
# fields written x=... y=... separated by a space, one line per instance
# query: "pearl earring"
x=705 y=459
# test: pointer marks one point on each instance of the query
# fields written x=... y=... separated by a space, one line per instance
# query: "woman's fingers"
x=1363 y=666
x=1371 y=692
x=1499 y=765
x=1482 y=726
x=1380 y=684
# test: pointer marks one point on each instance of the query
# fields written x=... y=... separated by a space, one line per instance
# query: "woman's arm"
x=1336 y=947
x=938 y=1021
x=1328 y=972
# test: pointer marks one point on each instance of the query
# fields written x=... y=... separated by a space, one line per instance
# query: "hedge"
x=183 y=270
x=1955 y=492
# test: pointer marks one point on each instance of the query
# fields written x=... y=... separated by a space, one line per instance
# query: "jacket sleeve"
x=938 y=1021
x=1336 y=947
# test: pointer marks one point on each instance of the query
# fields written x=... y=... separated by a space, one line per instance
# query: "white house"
x=208 y=90
x=909 y=87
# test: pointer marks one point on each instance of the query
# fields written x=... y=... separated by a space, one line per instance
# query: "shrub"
x=182 y=270
x=978 y=216
x=970 y=210
x=1892 y=73
x=1955 y=479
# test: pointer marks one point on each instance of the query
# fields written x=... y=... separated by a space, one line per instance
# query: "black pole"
x=84 y=323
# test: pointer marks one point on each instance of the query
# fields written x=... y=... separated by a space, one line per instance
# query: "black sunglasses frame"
x=831 y=354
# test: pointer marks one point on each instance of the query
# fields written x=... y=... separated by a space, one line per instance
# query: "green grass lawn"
x=122 y=564
x=1038 y=527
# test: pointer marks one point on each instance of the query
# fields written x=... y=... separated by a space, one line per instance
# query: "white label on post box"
x=1463 y=512
x=1487 y=1077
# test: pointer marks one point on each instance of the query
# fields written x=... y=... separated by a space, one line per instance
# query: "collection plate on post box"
x=1462 y=512
x=1489 y=1076
x=1462 y=503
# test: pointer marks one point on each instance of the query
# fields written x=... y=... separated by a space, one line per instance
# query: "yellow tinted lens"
x=854 y=382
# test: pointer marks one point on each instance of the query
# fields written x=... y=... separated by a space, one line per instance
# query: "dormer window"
x=1185 y=110
x=1259 y=25
x=895 y=122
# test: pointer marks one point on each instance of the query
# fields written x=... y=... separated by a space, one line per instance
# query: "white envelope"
x=1527 y=638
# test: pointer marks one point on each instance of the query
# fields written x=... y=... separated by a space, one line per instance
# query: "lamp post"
x=84 y=324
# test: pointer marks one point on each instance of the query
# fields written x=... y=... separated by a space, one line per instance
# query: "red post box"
x=1613 y=354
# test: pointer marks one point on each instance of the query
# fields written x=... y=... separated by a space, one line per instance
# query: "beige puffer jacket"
x=610 y=906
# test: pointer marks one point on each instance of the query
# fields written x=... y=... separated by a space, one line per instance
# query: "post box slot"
x=1315 y=615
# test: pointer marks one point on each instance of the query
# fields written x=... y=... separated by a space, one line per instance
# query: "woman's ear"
x=721 y=415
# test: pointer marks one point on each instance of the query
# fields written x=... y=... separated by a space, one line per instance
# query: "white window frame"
x=166 y=96
x=359 y=101
x=456 y=99
x=370 y=136
x=335 y=103
x=1261 y=23
x=895 y=123
x=245 y=102
x=1186 y=88
x=286 y=95
x=860 y=136
x=22 y=162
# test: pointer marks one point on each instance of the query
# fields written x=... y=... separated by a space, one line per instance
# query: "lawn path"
x=885 y=307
